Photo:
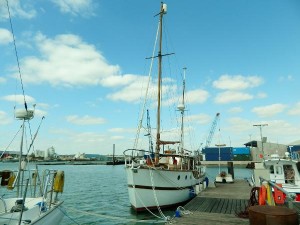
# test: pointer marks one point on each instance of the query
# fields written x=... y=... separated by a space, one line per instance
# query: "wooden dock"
x=217 y=205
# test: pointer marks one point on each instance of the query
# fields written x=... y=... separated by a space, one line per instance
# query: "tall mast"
x=181 y=108
x=163 y=10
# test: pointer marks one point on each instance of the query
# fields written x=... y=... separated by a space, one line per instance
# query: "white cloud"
x=66 y=61
x=295 y=110
x=196 y=96
x=4 y=118
x=130 y=93
x=235 y=110
x=261 y=95
x=85 y=120
x=269 y=110
x=237 y=82
x=237 y=124
x=39 y=113
x=281 y=131
x=232 y=96
x=16 y=9
x=2 y=80
x=19 y=99
x=122 y=80
x=83 y=8
x=5 y=36
x=121 y=130
x=286 y=78
x=86 y=137
x=198 y=118
x=117 y=137
x=136 y=90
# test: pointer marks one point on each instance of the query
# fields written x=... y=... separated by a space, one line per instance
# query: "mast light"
x=164 y=7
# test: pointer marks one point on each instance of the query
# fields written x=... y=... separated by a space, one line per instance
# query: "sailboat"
x=163 y=177
x=27 y=196
x=222 y=176
x=35 y=198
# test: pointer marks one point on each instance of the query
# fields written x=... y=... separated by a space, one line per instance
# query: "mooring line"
x=113 y=217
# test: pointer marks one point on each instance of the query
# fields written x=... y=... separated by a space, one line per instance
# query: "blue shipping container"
x=215 y=157
x=215 y=150
x=241 y=151
x=294 y=148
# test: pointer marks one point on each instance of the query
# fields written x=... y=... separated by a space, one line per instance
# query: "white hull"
x=169 y=175
x=224 y=179
x=150 y=188
x=32 y=214
x=281 y=171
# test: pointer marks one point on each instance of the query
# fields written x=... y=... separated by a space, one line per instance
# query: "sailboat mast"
x=20 y=175
x=159 y=79
x=181 y=109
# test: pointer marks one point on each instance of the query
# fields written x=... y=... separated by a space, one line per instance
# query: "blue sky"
x=83 y=65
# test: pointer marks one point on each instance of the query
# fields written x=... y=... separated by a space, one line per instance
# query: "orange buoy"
x=262 y=195
x=279 y=196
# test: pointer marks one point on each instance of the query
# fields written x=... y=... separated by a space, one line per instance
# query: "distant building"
x=93 y=156
x=260 y=150
x=14 y=154
x=80 y=156
x=66 y=157
x=39 y=154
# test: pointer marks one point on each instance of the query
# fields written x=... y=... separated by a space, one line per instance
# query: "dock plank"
x=205 y=218
x=218 y=205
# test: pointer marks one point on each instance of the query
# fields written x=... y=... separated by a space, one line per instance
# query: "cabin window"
x=289 y=174
x=272 y=169
x=185 y=176
x=278 y=170
x=178 y=178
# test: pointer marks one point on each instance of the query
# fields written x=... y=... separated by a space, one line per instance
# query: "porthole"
x=178 y=178
x=185 y=176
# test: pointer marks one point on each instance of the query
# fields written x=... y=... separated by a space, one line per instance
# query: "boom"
x=212 y=130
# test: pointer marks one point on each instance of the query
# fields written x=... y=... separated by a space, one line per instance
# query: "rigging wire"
x=19 y=71
x=10 y=142
x=36 y=133
x=146 y=94
x=16 y=52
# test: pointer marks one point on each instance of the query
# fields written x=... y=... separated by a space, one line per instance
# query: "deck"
x=218 y=205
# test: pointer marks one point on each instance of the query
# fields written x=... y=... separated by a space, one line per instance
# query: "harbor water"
x=97 y=194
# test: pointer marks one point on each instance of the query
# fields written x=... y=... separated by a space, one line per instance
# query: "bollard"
x=275 y=215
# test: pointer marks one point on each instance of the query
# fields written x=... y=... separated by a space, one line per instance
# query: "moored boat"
x=283 y=171
x=36 y=195
x=27 y=196
x=168 y=175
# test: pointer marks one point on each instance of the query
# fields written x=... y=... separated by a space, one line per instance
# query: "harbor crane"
x=212 y=130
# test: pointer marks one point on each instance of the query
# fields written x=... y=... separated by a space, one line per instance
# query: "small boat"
x=27 y=196
x=168 y=176
x=283 y=171
x=35 y=198
x=222 y=176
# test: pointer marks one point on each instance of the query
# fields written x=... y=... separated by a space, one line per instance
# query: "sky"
x=83 y=64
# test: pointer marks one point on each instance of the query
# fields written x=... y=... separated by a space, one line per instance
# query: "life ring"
x=59 y=179
x=262 y=195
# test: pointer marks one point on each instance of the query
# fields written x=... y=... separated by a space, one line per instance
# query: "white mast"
x=181 y=108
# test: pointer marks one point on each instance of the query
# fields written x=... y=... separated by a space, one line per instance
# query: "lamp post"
x=261 y=137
